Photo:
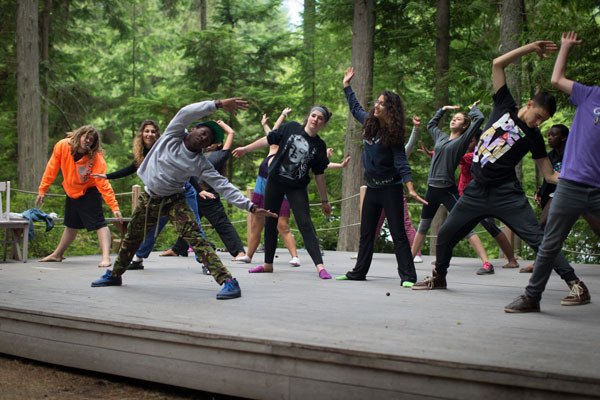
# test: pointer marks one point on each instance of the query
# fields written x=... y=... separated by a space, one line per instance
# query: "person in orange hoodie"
x=78 y=156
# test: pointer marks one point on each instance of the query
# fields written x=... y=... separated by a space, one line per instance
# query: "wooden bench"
x=15 y=229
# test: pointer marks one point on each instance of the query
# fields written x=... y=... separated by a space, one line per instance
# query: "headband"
x=326 y=114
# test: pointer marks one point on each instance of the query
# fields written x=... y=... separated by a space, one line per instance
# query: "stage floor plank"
x=292 y=335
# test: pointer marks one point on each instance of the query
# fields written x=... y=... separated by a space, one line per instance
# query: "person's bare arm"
x=257 y=144
x=545 y=166
x=542 y=47
x=229 y=132
x=559 y=79
x=282 y=117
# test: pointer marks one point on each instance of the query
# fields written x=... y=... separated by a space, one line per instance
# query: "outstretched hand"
x=39 y=201
x=203 y=194
x=286 y=111
x=416 y=121
x=239 y=152
x=348 y=76
x=228 y=130
x=474 y=104
x=346 y=161
x=261 y=212
x=233 y=104
x=98 y=176
x=415 y=196
x=569 y=39
x=544 y=47
x=326 y=208
x=450 y=108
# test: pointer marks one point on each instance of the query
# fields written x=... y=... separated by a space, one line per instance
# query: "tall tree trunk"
x=512 y=18
x=442 y=65
x=31 y=150
x=363 y=33
x=309 y=25
x=203 y=18
x=45 y=63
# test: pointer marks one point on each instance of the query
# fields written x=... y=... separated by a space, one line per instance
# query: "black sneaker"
x=432 y=282
x=486 y=269
x=522 y=304
x=136 y=265
x=579 y=295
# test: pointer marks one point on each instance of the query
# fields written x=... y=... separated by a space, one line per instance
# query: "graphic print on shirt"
x=84 y=171
x=497 y=140
x=299 y=154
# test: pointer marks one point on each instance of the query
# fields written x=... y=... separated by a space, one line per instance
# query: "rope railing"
x=236 y=222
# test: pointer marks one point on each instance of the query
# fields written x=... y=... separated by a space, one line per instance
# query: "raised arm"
x=229 y=132
x=282 y=117
x=414 y=136
x=257 y=144
x=559 y=79
x=356 y=109
x=542 y=47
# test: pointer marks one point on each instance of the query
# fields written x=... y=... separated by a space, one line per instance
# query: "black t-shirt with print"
x=298 y=152
x=504 y=142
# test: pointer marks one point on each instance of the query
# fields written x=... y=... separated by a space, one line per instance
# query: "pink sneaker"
x=323 y=274
x=259 y=269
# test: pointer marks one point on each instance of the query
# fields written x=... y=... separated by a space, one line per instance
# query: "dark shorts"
x=259 y=200
x=85 y=212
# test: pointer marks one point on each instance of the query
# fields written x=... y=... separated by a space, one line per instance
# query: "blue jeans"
x=570 y=201
x=190 y=198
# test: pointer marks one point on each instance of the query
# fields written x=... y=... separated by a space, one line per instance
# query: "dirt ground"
x=25 y=379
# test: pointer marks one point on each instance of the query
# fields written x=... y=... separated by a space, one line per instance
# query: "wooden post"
x=361 y=193
x=249 y=193
x=135 y=194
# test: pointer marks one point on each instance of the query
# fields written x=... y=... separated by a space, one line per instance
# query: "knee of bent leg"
x=424 y=226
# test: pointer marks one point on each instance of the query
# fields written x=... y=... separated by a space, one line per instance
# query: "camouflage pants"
x=145 y=218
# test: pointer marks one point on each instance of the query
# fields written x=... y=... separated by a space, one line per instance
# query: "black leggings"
x=448 y=196
x=298 y=199
x=389 y=199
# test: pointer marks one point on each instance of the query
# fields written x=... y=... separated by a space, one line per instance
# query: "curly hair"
x=139 y=149
x=75 y=139
x=392 y=134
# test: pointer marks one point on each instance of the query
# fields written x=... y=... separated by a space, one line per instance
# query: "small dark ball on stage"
x=387 y=294
x=276 y=256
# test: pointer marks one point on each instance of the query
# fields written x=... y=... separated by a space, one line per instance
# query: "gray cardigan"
x=447 y=153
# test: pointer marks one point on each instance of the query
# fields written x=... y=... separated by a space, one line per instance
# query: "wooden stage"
x=294 y=336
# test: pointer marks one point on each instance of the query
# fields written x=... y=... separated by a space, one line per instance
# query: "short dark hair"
x=546 y=101
x=564 y=131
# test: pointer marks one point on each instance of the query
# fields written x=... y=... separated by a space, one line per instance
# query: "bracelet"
x=253 y=208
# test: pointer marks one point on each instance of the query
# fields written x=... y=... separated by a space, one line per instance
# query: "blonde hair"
x=75 y=139
x=138 y=142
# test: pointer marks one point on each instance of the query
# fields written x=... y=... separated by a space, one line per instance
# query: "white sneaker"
x=295 y=262
x=243 y=258
x=354 y=256
x=417 y=259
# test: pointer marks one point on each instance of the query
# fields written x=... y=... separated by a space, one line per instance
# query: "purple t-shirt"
x=581 y=162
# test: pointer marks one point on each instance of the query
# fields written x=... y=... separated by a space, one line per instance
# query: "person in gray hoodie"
x=172 y=161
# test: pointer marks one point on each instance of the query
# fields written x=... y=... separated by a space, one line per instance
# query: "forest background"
x=65 y=63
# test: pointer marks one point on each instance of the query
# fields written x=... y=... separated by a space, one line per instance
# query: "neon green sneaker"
x=407 y=284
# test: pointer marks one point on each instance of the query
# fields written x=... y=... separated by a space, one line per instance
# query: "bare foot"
x=51 y=258
x=511 y=264
x=105 y=264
